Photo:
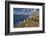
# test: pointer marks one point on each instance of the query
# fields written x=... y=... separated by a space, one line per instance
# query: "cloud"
x=24 y=11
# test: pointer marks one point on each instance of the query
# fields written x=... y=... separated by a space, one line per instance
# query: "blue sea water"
x=19 y=18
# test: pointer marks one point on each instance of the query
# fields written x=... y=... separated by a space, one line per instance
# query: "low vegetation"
x=29 y=22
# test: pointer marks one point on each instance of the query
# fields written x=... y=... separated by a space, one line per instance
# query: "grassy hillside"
x=29 y=22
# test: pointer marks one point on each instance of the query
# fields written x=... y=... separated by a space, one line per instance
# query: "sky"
x=23 y=10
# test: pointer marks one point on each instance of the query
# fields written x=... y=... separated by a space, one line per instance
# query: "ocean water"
x=19 y=18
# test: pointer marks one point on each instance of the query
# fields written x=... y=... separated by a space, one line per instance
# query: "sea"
x=19 y=18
